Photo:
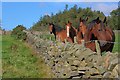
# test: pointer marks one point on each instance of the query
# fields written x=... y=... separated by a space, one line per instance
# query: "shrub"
x=18 y=32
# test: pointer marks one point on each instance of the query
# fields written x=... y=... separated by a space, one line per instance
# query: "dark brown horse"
x=98 y=31
x=81 y=30
x=71 y=32
x=52 y=29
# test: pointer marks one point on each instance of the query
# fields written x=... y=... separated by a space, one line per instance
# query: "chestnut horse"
x=81 y=30
x=71 y=32
x=82 y=35
x=98 y=31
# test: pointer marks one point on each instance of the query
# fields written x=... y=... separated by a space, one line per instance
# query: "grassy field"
x=20 y=61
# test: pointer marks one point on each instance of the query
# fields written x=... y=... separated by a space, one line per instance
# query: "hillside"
x=73 y=15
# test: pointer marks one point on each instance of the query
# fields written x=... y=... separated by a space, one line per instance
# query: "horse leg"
x=69 y=40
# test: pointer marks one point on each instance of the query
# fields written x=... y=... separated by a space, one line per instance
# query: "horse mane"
x=56 y=28
x=93 y=22
x=74 y=33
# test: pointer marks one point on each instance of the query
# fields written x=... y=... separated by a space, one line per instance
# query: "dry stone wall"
x=73 y=60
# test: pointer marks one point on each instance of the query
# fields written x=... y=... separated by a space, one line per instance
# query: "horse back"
x=62 y=35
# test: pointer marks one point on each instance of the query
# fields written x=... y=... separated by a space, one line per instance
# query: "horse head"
x=82 y=26
x=51 y=27
x=71 y=31
x=97 y=31
x=68 y=27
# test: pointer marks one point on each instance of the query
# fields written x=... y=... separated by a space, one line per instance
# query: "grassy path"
x=20 y=61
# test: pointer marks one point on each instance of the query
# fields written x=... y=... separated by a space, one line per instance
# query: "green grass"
x=48 y=37
x=20 y=61
x=0 y=57
x=116 y=47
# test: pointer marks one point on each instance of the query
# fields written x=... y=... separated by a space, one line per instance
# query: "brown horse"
x=59 y=35
x=81 y=30
x=82 y=34
x=98 y=31
x=71 y=32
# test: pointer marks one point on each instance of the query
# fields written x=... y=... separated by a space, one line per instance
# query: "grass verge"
x=116 y=47
x=20 y=61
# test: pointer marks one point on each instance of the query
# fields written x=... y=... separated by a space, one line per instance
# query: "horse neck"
x=54 y=31
x=74 y=31
x=83 y=29
x=109 y=30
x=86 y=38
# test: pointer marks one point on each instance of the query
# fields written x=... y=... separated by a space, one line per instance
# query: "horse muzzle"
x=50 y=32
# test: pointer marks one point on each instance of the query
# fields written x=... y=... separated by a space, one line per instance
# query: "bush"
x=18 y=32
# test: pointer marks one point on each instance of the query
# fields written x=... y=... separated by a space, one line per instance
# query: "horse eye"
x=80 y=26
x=99 y=30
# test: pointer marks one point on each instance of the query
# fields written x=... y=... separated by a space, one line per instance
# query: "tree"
x=18 y=33
x=66 y=7
x=113 y=19
x=73 y=15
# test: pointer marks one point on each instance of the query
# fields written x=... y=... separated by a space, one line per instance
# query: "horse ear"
x=78 y=29
x=65 y=23
x=97 y=18
x=87 y=19
x=80 y=19
x=104 y=20
x=68 y=21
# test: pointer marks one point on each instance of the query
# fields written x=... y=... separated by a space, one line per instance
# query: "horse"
x=81 y=31
x=71 y=32
x=104 y=34
x=59 y=35
x=52 y=29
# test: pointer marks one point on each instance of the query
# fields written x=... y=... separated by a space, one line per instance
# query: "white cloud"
x=105 y=8
x=47 y=14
